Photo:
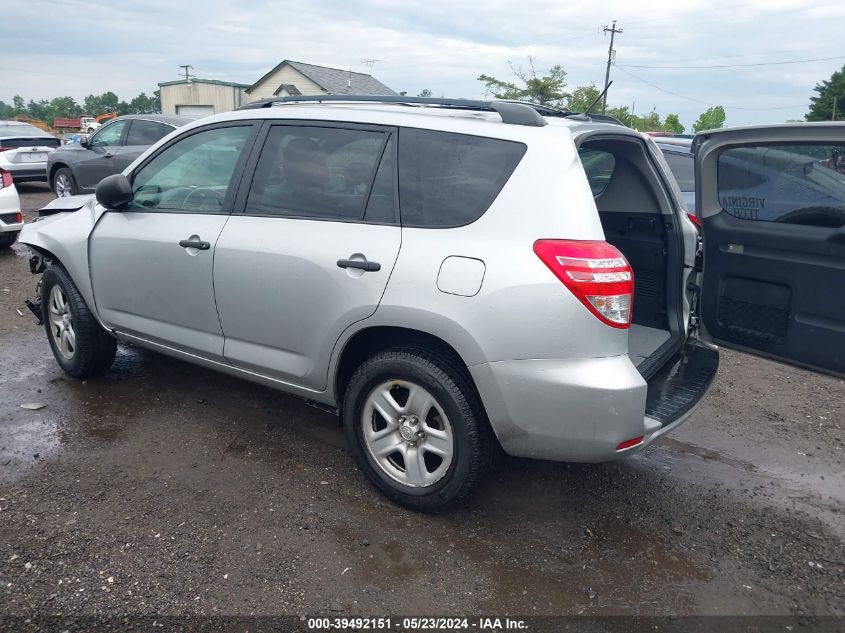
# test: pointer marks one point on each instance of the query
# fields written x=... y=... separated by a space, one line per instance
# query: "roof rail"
x=514 y=113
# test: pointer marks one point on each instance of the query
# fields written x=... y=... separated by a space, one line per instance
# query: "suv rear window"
x=447 y=179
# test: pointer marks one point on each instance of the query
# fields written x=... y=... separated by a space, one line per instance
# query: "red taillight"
x=5 y=149
x=629 y=443
x=19 y=218
x=5 y=178
x=596 y=273
x=694 y=219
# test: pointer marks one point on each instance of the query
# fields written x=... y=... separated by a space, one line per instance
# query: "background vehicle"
x=449 y=283
x=11 y=220
x=77 y=168
x=24 y=150
x=84 y=124
x=678 y=154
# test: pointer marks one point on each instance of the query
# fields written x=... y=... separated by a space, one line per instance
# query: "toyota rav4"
x=455 y=277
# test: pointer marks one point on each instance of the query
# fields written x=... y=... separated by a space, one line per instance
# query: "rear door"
x=772 y=206
x=139 y=137
x=310 y=247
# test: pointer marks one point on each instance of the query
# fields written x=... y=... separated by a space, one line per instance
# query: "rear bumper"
x=580 y=410
x=10 y=228
x=27 y=172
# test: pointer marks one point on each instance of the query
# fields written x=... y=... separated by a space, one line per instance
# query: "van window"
x=447 y=179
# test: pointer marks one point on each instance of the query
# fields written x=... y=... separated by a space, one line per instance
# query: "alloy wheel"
x=61 y=323
x=407 y=433
x=63 y=186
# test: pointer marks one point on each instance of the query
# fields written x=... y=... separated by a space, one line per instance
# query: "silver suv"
x=454 y=277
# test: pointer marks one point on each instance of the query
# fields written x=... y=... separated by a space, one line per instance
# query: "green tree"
x=18 y=104
x=648 y=123
x=424 y=93
x=95 y=105
x=622 y=114
x=582 y=98
x=821 y=105
x=672 y=123
x=530 y=86
x=64 y=107
x=711 y=119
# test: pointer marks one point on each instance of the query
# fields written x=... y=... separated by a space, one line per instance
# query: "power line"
x=782 y=63
x=707 y=103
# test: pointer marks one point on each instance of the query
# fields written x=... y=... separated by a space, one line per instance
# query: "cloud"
x=72 y=47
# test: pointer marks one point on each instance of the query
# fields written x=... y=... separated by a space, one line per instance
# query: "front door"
x=309 y=249
x=151 y=263
x=772 y=205
x=97 y=160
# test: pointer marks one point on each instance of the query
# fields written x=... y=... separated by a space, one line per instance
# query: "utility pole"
x=833 y=115
x=613 y=31
x=188 y=76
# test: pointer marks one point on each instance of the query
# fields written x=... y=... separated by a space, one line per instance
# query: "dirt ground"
x=163 y=488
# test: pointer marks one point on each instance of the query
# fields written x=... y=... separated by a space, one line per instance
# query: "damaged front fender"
x=62 y=238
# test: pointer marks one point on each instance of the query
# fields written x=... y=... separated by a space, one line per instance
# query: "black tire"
x=94 y=349
x=7 y=239
x=64 y=171
x=475 y=446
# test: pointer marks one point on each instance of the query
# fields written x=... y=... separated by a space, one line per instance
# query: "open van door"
x=771 y=201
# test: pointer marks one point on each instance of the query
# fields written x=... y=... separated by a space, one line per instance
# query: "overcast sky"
x=73 y=47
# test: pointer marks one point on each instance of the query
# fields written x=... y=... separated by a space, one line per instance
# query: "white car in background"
x=11 y=219
x=24 y=149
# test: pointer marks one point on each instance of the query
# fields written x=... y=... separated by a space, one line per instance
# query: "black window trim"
x=248 y=174
x=237 y=173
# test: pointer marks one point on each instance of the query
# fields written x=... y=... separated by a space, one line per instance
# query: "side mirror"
x=114 y=191
x=85 y=142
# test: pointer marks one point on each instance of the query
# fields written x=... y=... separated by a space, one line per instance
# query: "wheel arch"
x=52 y=174
x=63 y=239
x=370 y=340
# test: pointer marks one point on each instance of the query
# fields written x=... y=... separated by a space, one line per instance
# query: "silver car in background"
x=453 y=277
x=24 y=149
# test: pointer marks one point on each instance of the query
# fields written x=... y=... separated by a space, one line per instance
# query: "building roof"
x=333 y=80
x=195 y=80
x=290 y=88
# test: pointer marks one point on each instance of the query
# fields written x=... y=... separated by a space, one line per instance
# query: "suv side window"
x=109 y=135
x=316 y=172
x=146 y=132
x=793 y=184
x=447 y=179
x=192 y=174
x=599 y=167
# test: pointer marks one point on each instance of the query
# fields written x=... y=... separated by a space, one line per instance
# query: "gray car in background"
x=78 y=167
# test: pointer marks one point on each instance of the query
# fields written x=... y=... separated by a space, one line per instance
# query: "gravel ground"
x=165 y=489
